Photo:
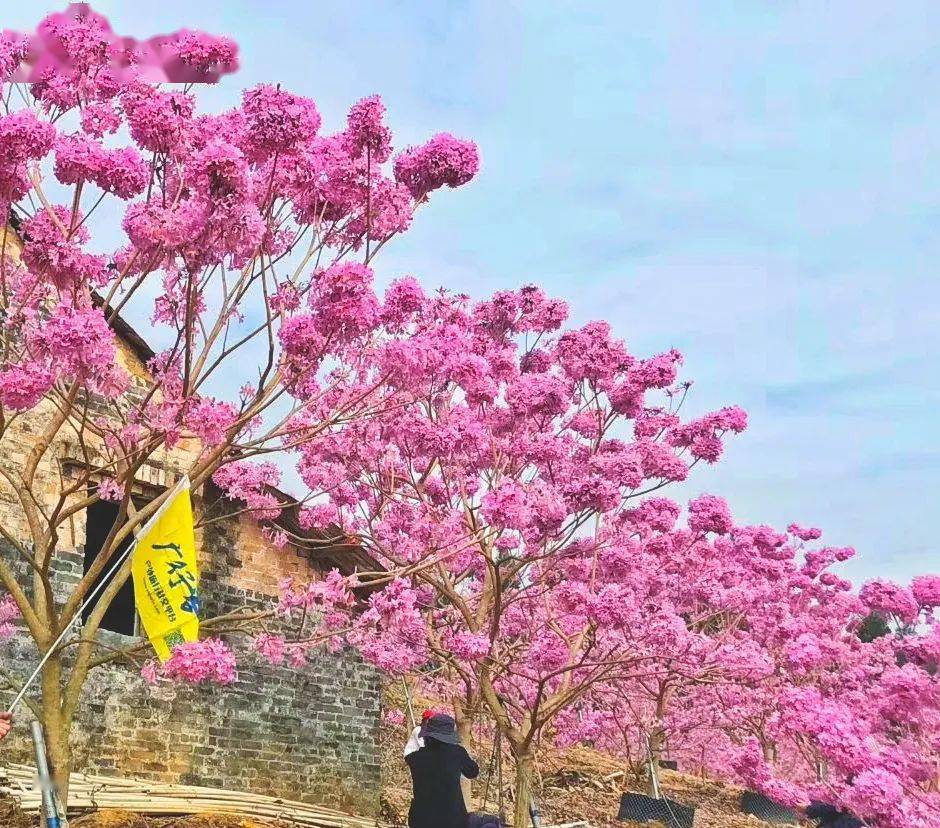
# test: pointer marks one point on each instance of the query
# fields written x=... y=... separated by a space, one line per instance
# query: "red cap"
x=427 y=715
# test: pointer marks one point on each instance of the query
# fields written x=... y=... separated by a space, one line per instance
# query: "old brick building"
x=310 y=734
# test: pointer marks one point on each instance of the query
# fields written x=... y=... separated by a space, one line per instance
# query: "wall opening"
x=121 y=616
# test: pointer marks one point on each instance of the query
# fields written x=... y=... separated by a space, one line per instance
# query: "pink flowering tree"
x=249 y=238
x=495 y=484
x=832 y=718
x=709 y=583
x=700 y=584
x=763 y=679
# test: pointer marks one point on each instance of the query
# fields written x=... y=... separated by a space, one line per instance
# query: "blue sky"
x=754 y=183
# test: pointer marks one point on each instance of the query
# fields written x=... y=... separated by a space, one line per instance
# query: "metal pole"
x=46 y=785
x=654 y=771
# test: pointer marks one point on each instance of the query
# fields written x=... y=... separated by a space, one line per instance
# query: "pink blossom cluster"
x=709 y=513
x=466 y=646
x=442 y=161
x=277 y=120
x=272 y=647
x=210 y=56
x=70 y=46
x=890 y=598
x=394 y=717
x=78 y=343
x=926 y=591
x=23 y=386
x=79 y=158
x=9 y=612
x=366 y=132
x=58 y=258
x=703 y=436
x=25 y=139
x=210 y=420
x=331 y=597
x=13 y=50
x=391 y=632
x=111 y=489
x=210 y=661
x=277 y=650
x=251 y=483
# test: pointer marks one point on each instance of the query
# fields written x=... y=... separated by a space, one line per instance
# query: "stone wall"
x=309 y=734
x=309 y=737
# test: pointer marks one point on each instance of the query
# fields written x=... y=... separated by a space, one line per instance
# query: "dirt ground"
x=12 y=818
x=576 y=790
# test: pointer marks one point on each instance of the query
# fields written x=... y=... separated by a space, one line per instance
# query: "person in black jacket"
x=437 y=800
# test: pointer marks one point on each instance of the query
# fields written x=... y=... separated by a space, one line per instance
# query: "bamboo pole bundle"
x=88 y=791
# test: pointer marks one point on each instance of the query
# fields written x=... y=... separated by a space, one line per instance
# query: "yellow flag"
x=166 y=576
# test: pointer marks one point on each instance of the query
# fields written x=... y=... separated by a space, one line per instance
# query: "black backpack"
x=828 y=816
x=481 y=820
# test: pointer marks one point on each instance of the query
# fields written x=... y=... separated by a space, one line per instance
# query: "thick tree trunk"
x=770 y=752
x=56 y=727
x=525 y=789
x=655 y=755
x=60 y=757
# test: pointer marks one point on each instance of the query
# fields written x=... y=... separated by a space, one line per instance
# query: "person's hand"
x=6 y=724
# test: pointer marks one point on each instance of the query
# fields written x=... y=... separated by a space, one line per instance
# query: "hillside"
x=579 y=784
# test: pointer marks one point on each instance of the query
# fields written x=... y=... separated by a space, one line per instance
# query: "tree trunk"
x=655 y=754
x=60 y=757
x=56 y=728
x=465 y=732
x=770 y=752
x=525 y=781
x=464 y=727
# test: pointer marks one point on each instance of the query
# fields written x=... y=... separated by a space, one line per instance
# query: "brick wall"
x=309 y=734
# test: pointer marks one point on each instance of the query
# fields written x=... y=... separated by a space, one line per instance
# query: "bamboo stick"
x=89 y=791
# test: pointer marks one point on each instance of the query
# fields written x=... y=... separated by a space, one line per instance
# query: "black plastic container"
x=766 y=809
x=642 y=808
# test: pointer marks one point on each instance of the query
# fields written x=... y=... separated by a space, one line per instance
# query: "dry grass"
x=13 y=817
